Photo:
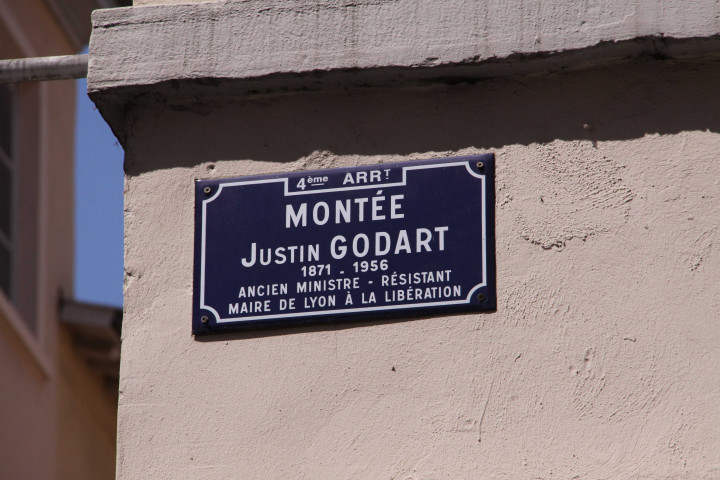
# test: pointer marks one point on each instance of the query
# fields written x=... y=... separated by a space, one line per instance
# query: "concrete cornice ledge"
x=177 y=53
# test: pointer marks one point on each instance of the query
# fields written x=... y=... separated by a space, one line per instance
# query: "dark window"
x=6 y=187
x=4 y=269
x=6 y=116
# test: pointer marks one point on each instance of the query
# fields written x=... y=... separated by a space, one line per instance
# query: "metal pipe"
x=43 y=68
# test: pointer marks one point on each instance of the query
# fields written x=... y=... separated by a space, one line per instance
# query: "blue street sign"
x=410 y=238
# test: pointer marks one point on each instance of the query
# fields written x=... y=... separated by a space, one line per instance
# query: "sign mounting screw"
x=481 y=297
x=204 y=319
x=480 y=165
x=207 y=190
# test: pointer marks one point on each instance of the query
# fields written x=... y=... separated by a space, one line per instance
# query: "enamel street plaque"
x=405 y=239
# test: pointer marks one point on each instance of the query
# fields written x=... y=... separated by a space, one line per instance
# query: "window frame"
x=19 y=308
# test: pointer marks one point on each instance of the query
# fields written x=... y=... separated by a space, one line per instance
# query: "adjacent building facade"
x=602 y=358
x=58 y=359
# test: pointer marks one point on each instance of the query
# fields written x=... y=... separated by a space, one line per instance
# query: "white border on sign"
x=287 y=193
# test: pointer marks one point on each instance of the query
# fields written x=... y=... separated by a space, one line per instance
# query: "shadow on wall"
x=625 y=101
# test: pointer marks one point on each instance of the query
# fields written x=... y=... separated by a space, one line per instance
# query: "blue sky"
x=98 y=207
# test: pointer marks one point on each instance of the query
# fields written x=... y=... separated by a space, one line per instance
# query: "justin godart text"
x=379 y=243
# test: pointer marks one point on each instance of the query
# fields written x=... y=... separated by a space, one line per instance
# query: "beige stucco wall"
x=601 y=361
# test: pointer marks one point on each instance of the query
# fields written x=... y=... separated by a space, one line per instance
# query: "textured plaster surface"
x=602 y=360
x=155 y=43
x=169 y=53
